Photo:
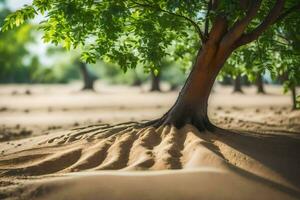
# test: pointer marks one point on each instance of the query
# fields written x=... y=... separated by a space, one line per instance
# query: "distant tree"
x=294 y=97
x=87 y=76
x=237 y=84
x=155 y=81
x=285 y=54
x=13 y=51
x=133 y=32
x=260 y=84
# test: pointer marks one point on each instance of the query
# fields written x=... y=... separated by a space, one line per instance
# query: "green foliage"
x=112 y=74
x=174 y=74
x=126 y=33
x=14 y=53
x=144 y=33
x=288 y=49
x=276 y=52
x=56 y=74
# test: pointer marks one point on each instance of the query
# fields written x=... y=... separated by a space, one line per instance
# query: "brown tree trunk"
x=237 y=88
x=260 y=84
x=88 y=81
x=294 y=96
x=155 y=82
x=192 y=102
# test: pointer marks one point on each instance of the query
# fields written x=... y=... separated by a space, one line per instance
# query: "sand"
x=256 y=157
x=60 y=107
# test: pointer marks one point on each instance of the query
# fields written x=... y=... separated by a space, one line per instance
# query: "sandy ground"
x=55 y=145
x=27 y=110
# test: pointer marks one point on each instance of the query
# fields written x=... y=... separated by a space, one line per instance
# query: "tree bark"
x=294 y=96
x=260 y=84
x=155 y=82
x=192 y=102
x=88 y=81
x=237 y=88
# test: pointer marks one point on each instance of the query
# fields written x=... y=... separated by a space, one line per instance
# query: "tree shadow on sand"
x=127 y=146
x=277 y=153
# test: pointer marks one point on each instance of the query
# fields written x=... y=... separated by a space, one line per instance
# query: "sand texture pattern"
x=123 y=153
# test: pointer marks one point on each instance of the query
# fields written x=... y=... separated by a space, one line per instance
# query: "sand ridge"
x=248 y=159
x=120 y=147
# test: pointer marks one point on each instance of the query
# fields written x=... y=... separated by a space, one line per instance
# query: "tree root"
x=202 y=124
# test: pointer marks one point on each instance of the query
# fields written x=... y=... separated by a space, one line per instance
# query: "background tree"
x=15 y=57
x=260 y=84
x=237 y=86
x=288 y=45
x=133 y=32
x=234 y=68
x=87 y=76
x=155 y=81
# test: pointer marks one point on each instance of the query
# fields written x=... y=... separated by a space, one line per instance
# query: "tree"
x=88 y=78
x=155 y=81
x=290 y=51
x=260 y=84
x=237 y=86
x=286 y=49
x=294 y=97
x=133 y=32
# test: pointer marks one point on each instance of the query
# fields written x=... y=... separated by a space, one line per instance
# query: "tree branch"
x=269 y=20
x=239 y=26
x=278 y=42
x=209 y=7
x=287 y=12
x=218 y=29
x=201 y=35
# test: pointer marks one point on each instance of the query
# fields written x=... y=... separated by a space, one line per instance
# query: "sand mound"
x=110 y=148
x=128 y=148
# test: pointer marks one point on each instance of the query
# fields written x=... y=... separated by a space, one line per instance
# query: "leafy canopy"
x=277 y=52
x=132 y=32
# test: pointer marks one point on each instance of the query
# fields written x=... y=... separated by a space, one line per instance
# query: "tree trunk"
x=260 y=84
x=192 y=102
x=155 y=82
x=293 y=91
x=237 y=85
x=88 y=81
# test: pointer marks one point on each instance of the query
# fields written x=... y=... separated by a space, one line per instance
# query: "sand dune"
x=77 y=164
x=108 y=148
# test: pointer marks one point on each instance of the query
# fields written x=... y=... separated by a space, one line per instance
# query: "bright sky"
x=16 y=4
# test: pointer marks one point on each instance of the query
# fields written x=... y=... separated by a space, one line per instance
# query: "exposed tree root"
x=202 y=123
